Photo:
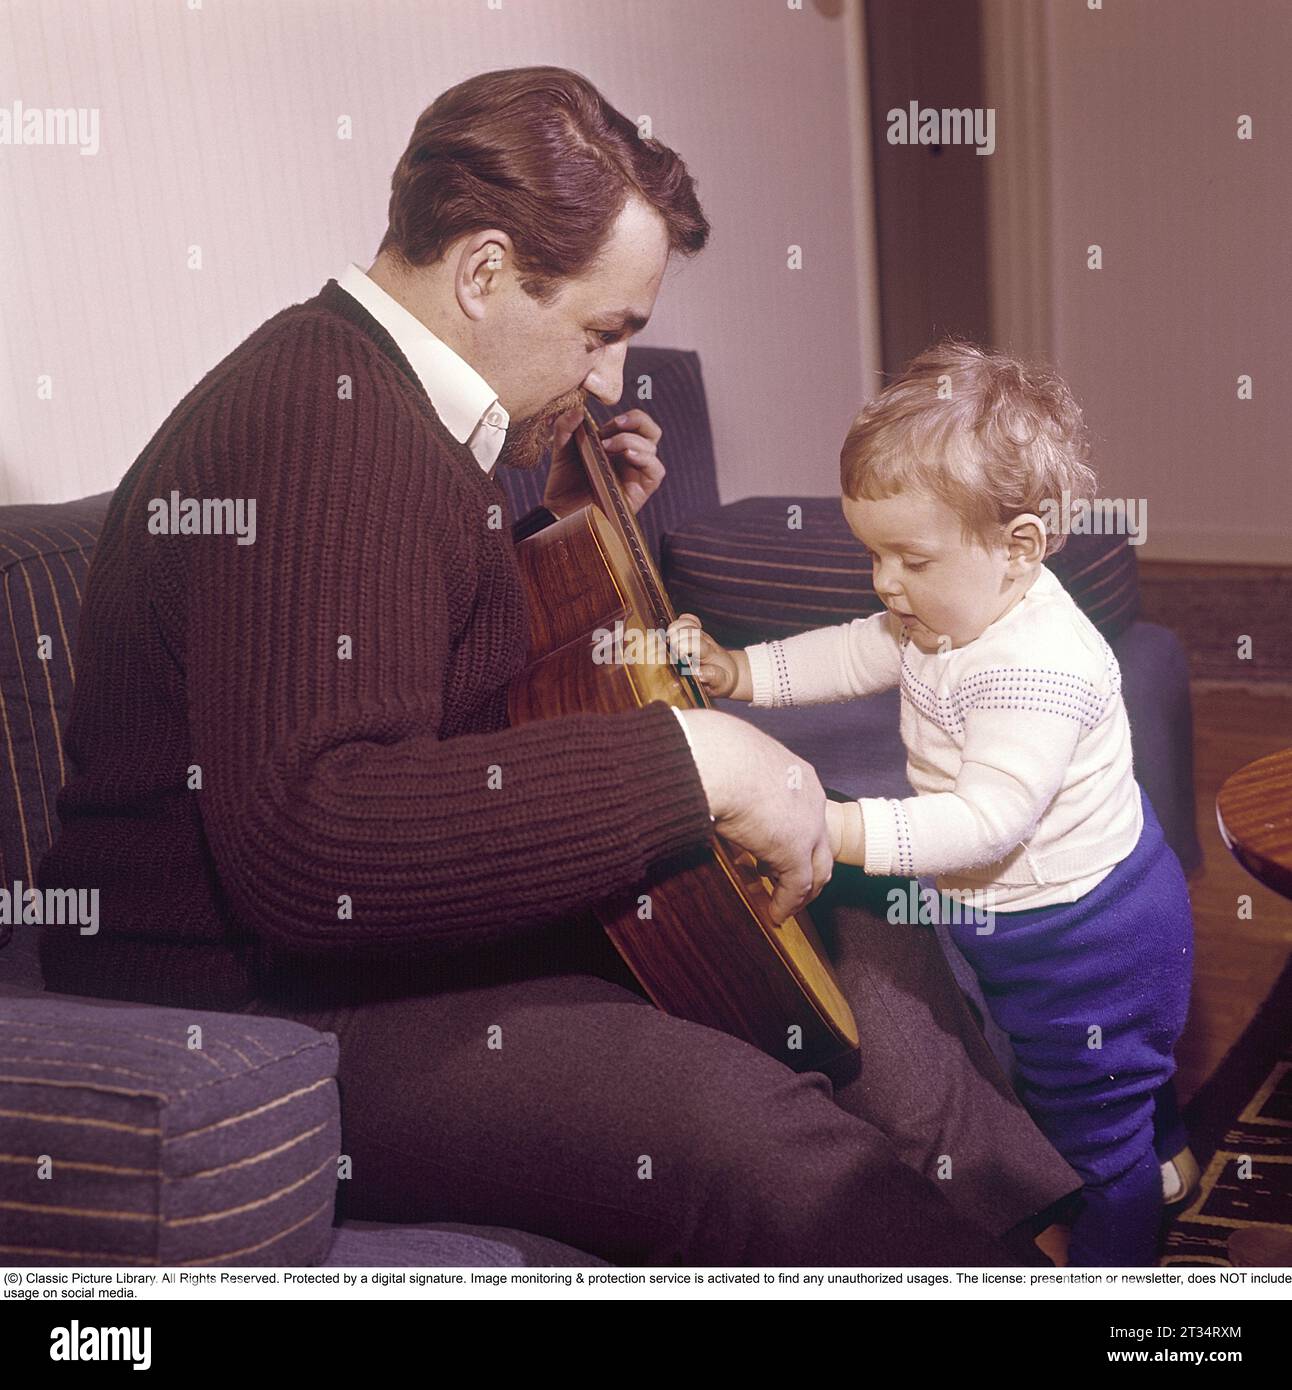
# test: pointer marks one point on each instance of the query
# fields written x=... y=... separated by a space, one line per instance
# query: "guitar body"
x=708 y=951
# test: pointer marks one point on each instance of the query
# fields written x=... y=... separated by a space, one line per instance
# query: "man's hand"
x=630 y=440
x=721 y=672
x=766 y=800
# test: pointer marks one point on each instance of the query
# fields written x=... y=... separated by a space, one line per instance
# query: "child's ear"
x=1027 y=540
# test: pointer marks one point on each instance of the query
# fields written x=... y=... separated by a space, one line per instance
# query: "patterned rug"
x=1240 y=1130
x=1212 y=607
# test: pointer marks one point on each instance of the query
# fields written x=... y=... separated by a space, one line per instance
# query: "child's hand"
x=722 y=673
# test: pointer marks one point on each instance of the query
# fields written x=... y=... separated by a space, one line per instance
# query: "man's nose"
x=606 y=380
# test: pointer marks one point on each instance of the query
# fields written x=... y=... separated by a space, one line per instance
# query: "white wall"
x=1144 y=97
x=218 y=129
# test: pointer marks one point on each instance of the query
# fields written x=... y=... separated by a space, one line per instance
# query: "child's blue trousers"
x=1093 y=995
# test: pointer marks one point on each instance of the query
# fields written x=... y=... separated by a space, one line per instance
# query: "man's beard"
x=527 y=440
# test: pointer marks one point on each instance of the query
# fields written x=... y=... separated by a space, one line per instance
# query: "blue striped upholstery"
x=447 y=1244
x=677 y=404
x=135 y=1147
x=749 y=577
x=155 y=1152
x=44 y=556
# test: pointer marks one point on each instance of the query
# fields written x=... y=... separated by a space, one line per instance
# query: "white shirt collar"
x=463 y=399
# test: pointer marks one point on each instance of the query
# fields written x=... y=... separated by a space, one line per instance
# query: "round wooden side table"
x=1254 y=813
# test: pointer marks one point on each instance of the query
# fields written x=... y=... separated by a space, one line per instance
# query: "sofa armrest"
x=155 y=1136
x=1155 y=687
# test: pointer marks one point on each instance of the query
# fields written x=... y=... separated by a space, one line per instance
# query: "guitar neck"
x=604 y=486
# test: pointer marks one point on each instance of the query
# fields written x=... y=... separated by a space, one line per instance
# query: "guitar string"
x=645 y=568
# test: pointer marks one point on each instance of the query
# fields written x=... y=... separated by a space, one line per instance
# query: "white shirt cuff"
x=690 y=744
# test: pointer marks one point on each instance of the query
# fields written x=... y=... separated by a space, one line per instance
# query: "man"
x=293 y=782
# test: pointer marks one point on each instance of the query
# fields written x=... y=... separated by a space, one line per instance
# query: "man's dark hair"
x=540 y=154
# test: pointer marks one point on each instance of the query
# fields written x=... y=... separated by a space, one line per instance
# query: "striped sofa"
x=132 y=1134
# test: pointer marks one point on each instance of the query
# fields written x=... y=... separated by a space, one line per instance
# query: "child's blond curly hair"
x=991 y=436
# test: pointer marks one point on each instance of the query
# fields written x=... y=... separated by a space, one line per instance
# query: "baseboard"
x=1217 y=548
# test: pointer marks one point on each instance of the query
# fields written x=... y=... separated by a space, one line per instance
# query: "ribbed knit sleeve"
x=331 y=668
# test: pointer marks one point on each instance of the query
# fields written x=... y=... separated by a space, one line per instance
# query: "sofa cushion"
x=127 y=1144
x=749 y=577
x=853 y=745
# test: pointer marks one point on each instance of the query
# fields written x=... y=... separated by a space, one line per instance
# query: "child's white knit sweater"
x=1017 y=744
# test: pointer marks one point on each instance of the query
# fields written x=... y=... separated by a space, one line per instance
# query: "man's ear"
x=1027 y=541
x=483 y=259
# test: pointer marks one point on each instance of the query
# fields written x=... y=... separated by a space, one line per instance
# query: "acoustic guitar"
x=708 y=949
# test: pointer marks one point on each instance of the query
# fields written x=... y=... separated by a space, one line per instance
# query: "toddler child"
x=1019 y=752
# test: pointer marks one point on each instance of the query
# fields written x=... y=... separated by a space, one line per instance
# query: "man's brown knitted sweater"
x=296 y=749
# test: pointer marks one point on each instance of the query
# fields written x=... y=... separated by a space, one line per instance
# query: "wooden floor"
x=1235 y=961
